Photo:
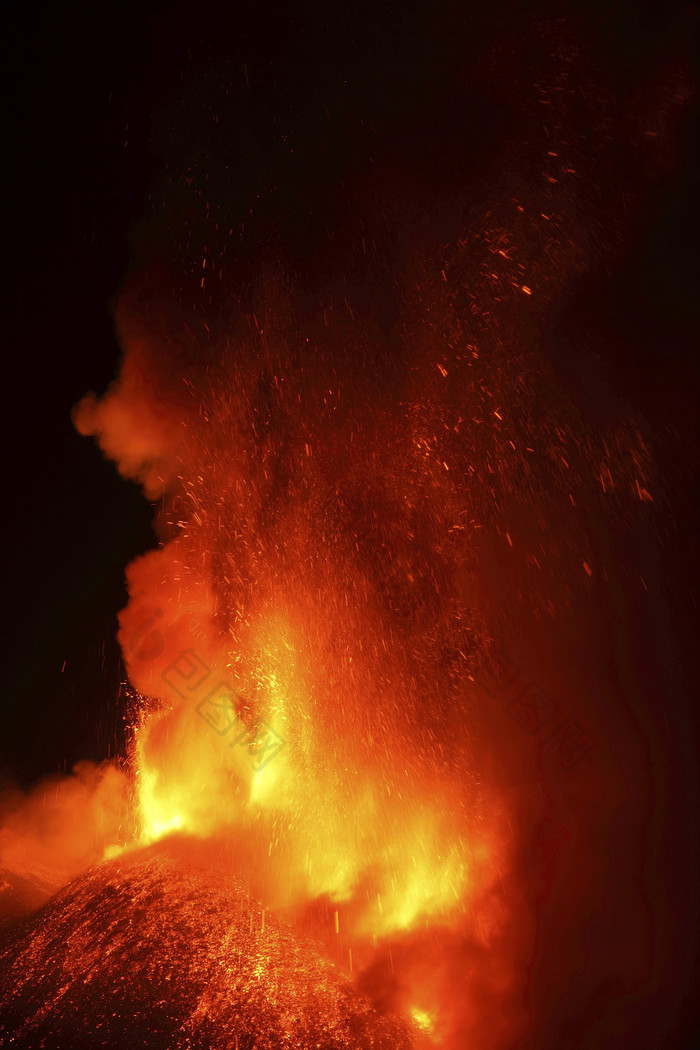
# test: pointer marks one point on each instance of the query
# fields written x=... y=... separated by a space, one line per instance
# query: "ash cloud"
x=53 y=831
x=370 y=478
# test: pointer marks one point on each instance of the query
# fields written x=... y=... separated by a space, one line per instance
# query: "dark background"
x=89 y=93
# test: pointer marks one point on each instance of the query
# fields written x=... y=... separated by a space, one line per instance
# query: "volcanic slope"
x=162 y=950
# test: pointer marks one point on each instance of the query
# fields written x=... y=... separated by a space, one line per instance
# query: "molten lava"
x=161 y=949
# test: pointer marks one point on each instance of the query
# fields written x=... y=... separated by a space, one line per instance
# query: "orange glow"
x=344 y=535
x=306 y=665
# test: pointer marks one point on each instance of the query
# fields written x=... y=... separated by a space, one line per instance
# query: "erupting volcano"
x=390 y=779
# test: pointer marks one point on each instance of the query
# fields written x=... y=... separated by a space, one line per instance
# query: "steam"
x=54 y=831
x=138 y=422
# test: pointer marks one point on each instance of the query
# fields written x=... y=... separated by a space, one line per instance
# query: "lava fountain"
x=366 y=772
